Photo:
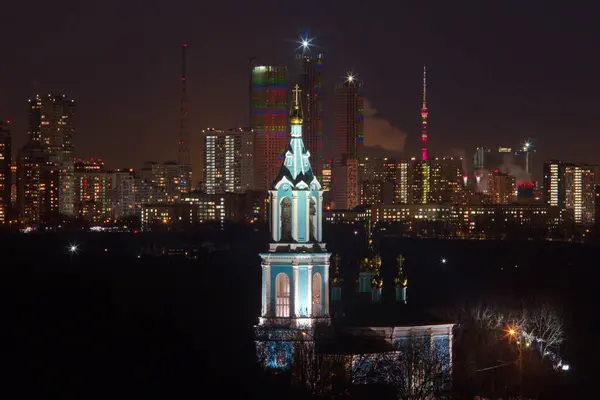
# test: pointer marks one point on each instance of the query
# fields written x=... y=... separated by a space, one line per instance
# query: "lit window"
x=316 y=295
x=282 y=299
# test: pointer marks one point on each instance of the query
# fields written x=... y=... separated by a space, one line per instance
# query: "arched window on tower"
x=313 y=219
x=316 y=295
x=286 y=220
x=282 y=295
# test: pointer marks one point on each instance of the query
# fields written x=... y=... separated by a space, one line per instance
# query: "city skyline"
x=478 y=94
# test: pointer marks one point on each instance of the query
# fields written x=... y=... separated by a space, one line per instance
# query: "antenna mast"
x=424 y=114
x=183 y=155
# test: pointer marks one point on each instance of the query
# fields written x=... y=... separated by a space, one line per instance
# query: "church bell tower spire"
x=296 y=268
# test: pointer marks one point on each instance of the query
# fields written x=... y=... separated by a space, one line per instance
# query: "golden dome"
x=337 y=279
x=400 y=278
x=296 y=115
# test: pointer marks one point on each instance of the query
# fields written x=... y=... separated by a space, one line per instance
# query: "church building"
x=296 y=293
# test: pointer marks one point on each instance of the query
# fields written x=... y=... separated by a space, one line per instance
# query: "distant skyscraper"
x=480 y=158
x=228 y=161
x=348 y=139
x=420 y=181
x=38 y=187
x=445 y=180
x=268 y=109
x=91 y=188
x=183 y=145
x=122 y=193
x=401 y=187
x=554 y=183
x=163 y=181
x=376 y=180
x=5 y=171
x=580 y=191
x=501 y=187
x=310 y=80
x=51 y=125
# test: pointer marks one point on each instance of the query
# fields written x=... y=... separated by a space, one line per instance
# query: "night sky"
x=499 y=71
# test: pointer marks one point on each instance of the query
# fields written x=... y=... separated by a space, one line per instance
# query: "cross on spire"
x=296 y=93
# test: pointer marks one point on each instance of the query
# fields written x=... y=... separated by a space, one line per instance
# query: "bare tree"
x=418 y=369
x=297 y=350
x=487 y=317
x=544 y=327
x=314 y=370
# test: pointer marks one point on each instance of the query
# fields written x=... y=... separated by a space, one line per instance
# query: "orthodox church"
x=300 y=299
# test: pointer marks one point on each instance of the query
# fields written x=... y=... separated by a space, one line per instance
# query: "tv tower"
x=183 y=156
x=424 y=116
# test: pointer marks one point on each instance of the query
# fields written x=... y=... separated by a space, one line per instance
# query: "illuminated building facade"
x=376 y=180
x=401 y=185
x=13 y=180
x=327 y=174
x=228 y=165
x=5 y=171
x=268 y=113
x=446 y=180
x=502 y=188
x=92 y=187
x=484 y=220
x=376 y=192
x=38 y=186
x=310 y=80
x=377 y=169
x=123 y=202
x=420 y=182
x=51 y=124
x=163 y=181
x=554 y=183
x=580 y=191
x=348 y=141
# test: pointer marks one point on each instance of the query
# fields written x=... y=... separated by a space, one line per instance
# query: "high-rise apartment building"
x=420 y=182
x=269 y=91
x=554 y=183
x=163 y=181
x=51 y=125
x=402 y=192
x=571 y=187
x=37 y=185
x=376 y=180
x=91 y=188
x=501 y=187
x=5 y=171
x=348 y=140
x=228 y=160
x=13 y=184
x=122 y=194
x=580 y=191
x=310 y=80
x=446 y=179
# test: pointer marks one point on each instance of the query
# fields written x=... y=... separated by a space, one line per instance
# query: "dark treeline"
x=104 y=323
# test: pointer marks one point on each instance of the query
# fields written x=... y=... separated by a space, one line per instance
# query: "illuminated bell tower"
x=295 y=271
